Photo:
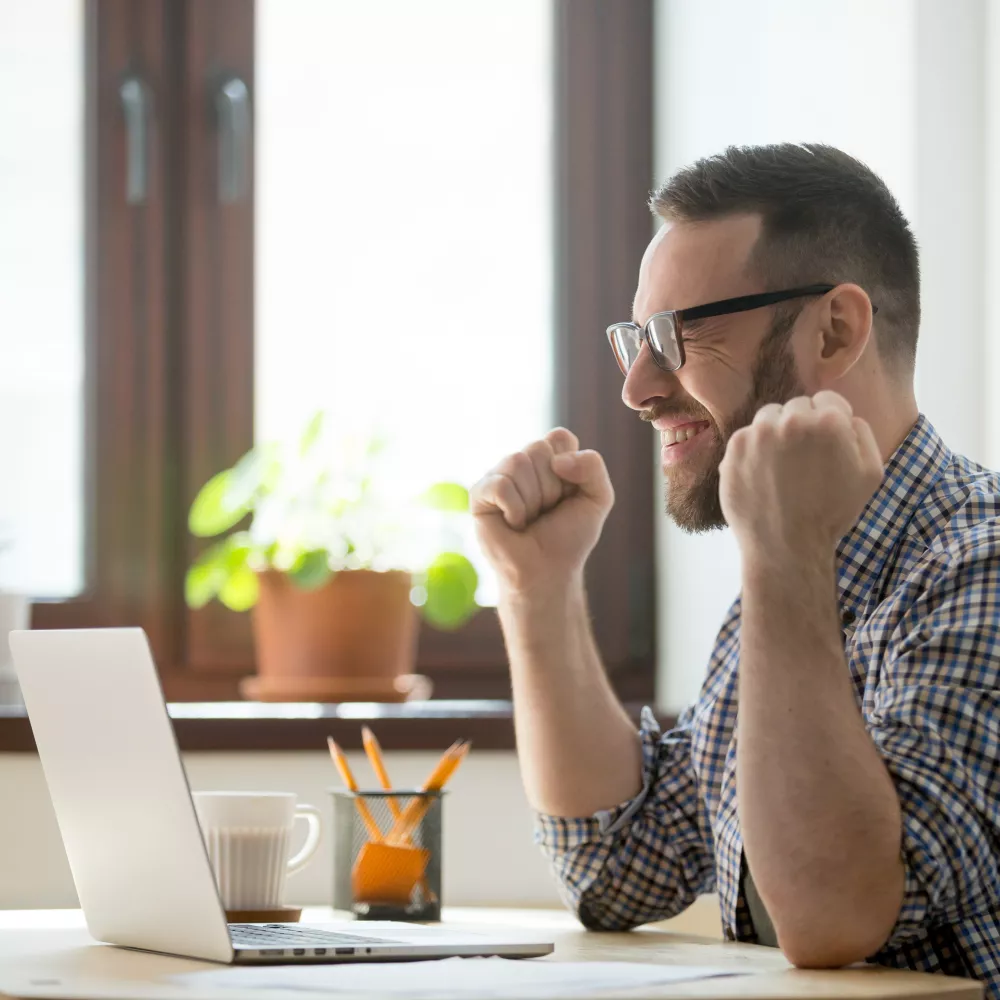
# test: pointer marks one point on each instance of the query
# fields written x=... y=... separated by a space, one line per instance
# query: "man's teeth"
x=676 y=435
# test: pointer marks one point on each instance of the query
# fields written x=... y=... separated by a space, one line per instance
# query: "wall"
x=485 y=818
x=991 y=220
x=903 y=85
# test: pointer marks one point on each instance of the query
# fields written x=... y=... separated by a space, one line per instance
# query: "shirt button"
x=847 y=618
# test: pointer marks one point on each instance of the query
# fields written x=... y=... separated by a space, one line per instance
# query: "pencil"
x=411 y=816
x=374 y=752
x=340 y=762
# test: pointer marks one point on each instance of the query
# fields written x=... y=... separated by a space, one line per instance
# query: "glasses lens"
x=625 y=342
x=663 y=342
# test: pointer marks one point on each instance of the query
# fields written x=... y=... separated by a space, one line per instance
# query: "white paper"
x=486 y=978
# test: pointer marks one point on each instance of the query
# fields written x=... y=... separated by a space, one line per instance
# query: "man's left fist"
x=796 y=480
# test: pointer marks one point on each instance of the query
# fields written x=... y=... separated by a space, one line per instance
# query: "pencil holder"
x=387 y=854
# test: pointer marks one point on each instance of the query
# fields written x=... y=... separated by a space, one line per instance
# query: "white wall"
x=902 y=84
x=952 y=140
x=991 y=219
x=490 y=856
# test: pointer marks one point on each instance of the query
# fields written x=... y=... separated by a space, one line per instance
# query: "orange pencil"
x=404 y=826
x=374 y=752
x=340 y=762
x=445 y=766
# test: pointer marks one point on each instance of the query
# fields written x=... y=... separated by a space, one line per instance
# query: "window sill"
x=249 y=726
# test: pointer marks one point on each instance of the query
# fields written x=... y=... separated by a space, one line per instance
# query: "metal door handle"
x=232 y=104
x=137 y=102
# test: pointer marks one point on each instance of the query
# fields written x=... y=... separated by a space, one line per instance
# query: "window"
x=41 y=286
x=420 y=286
x=224 y=265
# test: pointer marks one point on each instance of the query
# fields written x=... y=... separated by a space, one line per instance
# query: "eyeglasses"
x=662 y=332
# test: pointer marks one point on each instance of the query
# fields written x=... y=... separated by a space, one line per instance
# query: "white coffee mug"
x=247 y=835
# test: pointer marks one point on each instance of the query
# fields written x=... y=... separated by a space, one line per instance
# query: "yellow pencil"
x=340 y=762
x=411 y=816
x=446 y=766
x=374 y=752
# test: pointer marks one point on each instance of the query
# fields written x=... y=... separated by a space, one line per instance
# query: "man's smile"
x=680 y=439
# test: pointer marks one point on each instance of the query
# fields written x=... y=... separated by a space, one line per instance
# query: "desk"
x=52 y=945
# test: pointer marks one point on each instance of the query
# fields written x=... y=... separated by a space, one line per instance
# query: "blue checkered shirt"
x=919 y=591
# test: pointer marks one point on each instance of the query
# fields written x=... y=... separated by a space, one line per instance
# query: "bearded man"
x=837 y=781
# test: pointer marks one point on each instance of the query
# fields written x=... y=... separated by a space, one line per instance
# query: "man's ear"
x=845 y=327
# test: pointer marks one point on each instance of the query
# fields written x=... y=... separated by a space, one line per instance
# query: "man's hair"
x=826 y=218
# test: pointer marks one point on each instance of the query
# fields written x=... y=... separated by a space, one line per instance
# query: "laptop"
x=124 y=809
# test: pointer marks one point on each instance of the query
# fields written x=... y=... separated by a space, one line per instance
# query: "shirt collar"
x=863 y=552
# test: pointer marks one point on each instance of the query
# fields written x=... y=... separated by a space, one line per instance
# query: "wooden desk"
x=48 y=953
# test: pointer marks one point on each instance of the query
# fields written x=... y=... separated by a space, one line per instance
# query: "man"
x=836 y=782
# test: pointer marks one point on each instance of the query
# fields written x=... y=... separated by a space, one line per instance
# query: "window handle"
x=137 y=103
x=232 y=104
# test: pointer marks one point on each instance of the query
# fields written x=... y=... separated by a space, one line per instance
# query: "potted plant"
x=334 y=562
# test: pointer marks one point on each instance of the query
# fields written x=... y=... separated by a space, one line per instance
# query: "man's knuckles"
x=828 y=399
x=540 y=454
x=737 y=447
x=499 y=490
x=768 y=414
x=519 y=467
x=834 y=422
x=561 y=439
x=798 y=424
x=795 y=426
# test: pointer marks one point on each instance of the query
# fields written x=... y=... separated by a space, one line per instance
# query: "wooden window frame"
x=169 y=332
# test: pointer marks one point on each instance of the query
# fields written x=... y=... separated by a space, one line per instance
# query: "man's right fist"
x=540 y=511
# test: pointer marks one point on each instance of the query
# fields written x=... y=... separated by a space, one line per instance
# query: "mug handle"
x=311 y=815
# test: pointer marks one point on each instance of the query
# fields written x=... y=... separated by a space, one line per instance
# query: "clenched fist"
x=796 y=480
x=540 y=511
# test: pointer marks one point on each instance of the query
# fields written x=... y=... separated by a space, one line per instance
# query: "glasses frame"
x=724 y=307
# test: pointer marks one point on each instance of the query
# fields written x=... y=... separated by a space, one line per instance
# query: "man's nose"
x=647 y=383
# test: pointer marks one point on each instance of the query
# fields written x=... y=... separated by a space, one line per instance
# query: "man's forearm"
x=578 y=749
x=818 y=810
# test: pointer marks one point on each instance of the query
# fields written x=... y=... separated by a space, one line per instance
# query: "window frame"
x=127 y=446
x=170 y=348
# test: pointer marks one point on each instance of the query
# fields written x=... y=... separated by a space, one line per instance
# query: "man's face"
x=734 y=364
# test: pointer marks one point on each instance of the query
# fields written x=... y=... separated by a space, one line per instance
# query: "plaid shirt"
x=919 y=592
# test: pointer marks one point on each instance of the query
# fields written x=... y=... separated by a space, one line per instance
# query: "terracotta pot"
x=354 y=638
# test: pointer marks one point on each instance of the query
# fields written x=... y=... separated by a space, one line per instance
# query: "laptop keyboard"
x=290 y=936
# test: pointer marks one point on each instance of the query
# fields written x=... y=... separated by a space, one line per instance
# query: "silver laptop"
x=134 y=845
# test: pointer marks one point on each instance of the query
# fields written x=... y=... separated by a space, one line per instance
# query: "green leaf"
x=214 y=510
x=450 y=582
x=312 y=433
x=228 y=496
x=206 y=576
x=446 y=496
x=214 y=568
x=236 y=550
x=257 y=470
x=240 y=591
x=311 y=570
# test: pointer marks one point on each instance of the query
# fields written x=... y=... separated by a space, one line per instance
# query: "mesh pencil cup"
x=396 y=878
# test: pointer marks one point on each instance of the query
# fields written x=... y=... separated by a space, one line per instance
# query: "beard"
x=694 y=505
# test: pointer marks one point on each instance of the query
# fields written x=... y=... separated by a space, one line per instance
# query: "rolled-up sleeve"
x=648 y=858
x=936 y=724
